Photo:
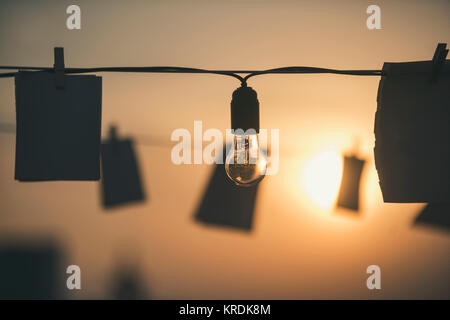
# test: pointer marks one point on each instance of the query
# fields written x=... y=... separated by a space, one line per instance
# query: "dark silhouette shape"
x=245 y=109
x=436 y=215
x=438 y=60
x=31 y=271
x=351 y=176
x=58 y=129
x=59 y=67
x=128 y=284
x=121 y=182
x=412 y=130
x=225 y=204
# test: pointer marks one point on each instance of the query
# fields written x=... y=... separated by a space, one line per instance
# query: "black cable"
x=303 y=70
x=147 y=140
x=232 y=73
x=123 y=69
x=7 y=75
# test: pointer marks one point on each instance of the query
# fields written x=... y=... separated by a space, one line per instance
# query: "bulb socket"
x=245 y=109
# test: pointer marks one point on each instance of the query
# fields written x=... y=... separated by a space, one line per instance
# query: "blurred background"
x=300 y=246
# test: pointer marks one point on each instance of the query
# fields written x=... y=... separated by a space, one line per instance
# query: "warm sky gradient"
x=298 y=249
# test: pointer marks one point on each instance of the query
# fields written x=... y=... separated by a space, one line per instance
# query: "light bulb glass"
x=245 y=164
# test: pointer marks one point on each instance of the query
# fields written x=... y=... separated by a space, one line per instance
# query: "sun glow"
x=321 y=177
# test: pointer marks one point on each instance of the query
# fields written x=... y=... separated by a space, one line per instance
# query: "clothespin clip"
x=113 y=134
x=59 y=67
x=113 y=138
x=355 y=147
x=438 y=60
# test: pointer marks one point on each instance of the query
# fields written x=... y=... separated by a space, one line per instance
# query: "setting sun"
x=321 y=177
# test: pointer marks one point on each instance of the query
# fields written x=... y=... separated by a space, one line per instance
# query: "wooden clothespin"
x=113 y=138
x=59 y=67
x=438 y=61
x=113 y=134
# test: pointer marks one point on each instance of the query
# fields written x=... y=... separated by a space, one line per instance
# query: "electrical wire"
x=315 y=70
x=147 y=140
x=231 y=73
x=122 y=69
x=161 y=141
x=7 y=75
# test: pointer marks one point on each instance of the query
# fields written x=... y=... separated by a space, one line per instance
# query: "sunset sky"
x=300 y=246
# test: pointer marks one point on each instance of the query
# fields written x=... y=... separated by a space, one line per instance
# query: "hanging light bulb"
x=245 y=163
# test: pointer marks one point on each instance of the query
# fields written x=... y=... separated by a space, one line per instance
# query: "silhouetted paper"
x=225 y=204
x=58 y=130
x=31 y=272
x=436 y=215
x=412 y=131
x=351 y=176
x=121 y=180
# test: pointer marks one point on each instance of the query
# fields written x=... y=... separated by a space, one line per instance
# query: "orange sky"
x=297 y=248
